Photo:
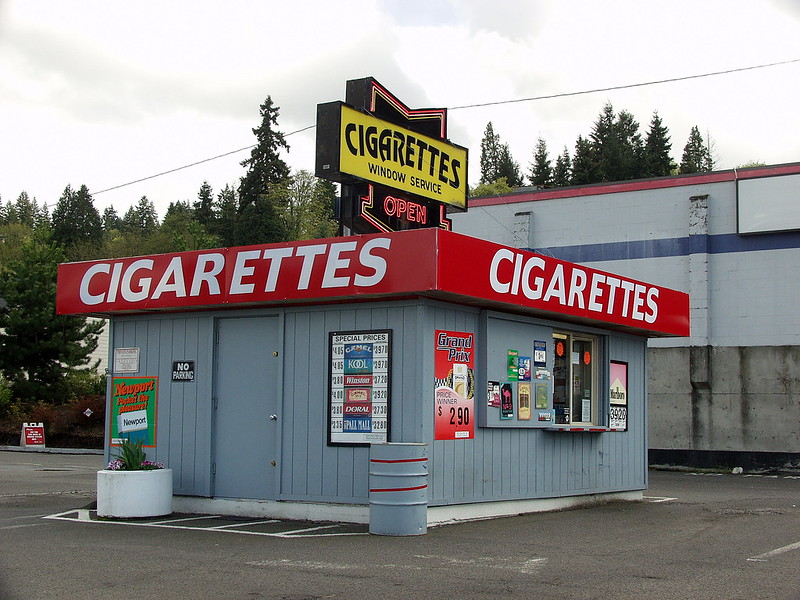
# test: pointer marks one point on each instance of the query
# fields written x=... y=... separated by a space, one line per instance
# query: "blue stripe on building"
x=683 y=246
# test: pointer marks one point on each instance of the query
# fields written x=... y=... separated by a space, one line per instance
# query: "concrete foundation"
x=725 y=400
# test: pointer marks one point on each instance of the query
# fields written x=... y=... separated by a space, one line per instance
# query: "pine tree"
x=263 y=189
x=142 y=219
x=541 y=174
x=490 y=155
x=25 y=211
x=584 y=164
x=496 y=160
x=697 y=156
x=75 y=219
x=37 y=346
x=562 y=173
x=204 y=207
x=509 y=168
x=262 y=222
x=181 y=230
x=224 y=227
x=657 y=147
x=630 y=160
x=111 y=219
x=617 y=146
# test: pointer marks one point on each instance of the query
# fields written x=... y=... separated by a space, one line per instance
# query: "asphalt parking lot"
x=696 y=535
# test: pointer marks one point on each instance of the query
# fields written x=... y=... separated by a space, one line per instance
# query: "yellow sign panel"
x=384 y=153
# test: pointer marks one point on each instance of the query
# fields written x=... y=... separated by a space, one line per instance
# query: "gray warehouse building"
x=727 y=395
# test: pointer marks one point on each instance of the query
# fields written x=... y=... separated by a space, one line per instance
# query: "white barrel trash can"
x=398 y=489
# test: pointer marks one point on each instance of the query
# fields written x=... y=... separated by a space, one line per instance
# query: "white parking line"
x=244 y=524
x=767 y=555
x=21 y=526
x=194 y=518
x=656 y=499
x=85 y=516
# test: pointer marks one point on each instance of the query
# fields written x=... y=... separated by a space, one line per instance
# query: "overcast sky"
x=102 y=93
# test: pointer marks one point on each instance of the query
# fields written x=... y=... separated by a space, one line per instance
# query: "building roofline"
x=529 y=194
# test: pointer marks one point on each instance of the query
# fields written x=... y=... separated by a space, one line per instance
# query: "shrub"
x=88 y=412
x=6 y=399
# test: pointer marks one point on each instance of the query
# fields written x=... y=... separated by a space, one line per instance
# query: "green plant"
x=78 y=384
x=6 y=399
x=132 y=457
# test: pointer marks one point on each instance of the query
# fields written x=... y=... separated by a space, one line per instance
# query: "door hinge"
x=214 y=468
x=215 y=402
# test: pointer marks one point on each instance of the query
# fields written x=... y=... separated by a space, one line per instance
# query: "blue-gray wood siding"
x=184 y=409
x=499 y=464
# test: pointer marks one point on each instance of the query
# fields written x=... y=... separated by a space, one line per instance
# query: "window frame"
x=570 y=337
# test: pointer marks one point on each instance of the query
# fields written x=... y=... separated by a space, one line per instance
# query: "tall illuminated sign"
x=397 y=169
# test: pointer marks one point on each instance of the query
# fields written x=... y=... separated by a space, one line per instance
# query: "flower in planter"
x=131 y=457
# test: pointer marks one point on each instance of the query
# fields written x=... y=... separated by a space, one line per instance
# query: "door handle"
x=273 y=417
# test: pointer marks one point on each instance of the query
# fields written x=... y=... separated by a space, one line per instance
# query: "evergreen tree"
x=631 y=154
x=657 y=146
x=541 y=174
x=617 y=146
x=263 y=189
x=224 y=227
x=490 y=155
x=37 y=346
x=76 y=221
x=584 y=164
x=181 y=231
x=111 y=220
x=562 y=173
x=180 y=209
x=25 y=211
x=142 y=219
x=263 y=221
x=496 y=160
x=509 y=168
x=204 y=207
x=696 y=154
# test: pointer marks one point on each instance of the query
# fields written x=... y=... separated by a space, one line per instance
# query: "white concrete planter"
x=134 y=493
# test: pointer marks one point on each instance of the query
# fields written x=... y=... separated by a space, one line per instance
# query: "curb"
x=52 y=450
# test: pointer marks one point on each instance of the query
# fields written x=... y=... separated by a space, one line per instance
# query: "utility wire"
x=194 y=164
x=483 y=104
x=628 y=86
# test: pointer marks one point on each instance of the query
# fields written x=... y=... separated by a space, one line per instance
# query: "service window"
x=575 y=378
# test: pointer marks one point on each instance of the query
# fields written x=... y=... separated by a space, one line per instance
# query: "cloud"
x=106 y=92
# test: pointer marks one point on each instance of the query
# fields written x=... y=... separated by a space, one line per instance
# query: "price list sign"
x=360 y=384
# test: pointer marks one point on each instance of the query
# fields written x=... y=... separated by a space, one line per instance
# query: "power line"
x=628 y=86
x=194 y=164
x=484 y=104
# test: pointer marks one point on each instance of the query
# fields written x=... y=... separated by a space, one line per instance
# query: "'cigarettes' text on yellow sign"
x=384 y=153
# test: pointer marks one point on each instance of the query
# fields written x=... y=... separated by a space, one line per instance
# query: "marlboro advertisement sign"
x=432 y=263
